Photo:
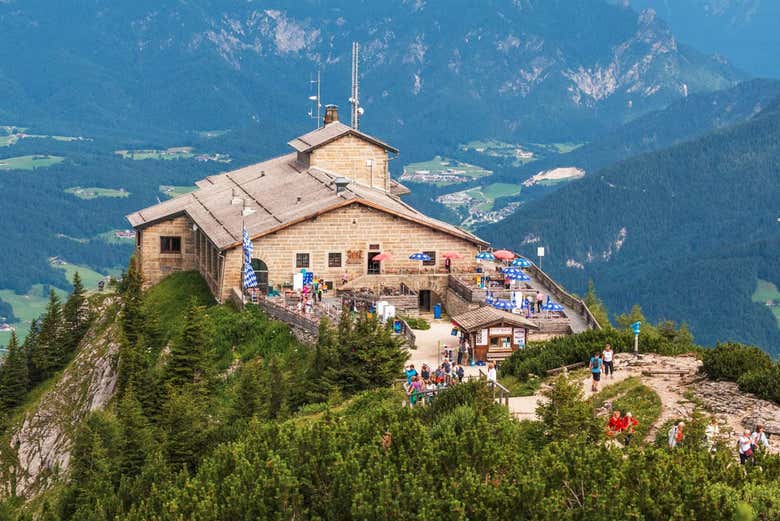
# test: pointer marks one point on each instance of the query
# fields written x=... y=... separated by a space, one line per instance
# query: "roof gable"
x=331 y=132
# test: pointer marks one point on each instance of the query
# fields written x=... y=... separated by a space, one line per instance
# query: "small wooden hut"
x=493 y=334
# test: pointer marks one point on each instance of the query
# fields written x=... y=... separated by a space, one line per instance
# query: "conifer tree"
x=14 y=379
x=75 y=315
x=596 y=306
x=185 y=422
x=136 y=438
x=187 y=360
x=29 y=347
x=132 y=299
x=249 y=395
x=48 y=355
x=315 y=385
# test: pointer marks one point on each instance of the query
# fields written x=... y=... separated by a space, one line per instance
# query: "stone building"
x=329 y=207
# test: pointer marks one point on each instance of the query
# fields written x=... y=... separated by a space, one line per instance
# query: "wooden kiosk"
x=493 y=334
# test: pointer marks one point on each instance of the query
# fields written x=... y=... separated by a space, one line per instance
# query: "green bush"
x=762 y=382
x=730 y=361
x=417 y=323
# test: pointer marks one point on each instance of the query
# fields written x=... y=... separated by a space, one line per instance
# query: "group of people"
x=749 y=443
x=601 y=362
x=425 y=384
x=622 y=426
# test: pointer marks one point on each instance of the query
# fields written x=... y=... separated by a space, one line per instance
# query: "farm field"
x=175 y=191
x=111 y=238
x=481 y=198
x=10 y=135
x=152 y=153
x=29 y=162
x=442 y=171
x=765 y=292
x=496 y=148
x=94 y=193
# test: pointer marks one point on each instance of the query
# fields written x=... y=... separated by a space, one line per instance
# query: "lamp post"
x=636 y=326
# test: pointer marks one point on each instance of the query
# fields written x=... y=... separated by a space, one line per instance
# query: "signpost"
x=636 y=326
x=540 y=254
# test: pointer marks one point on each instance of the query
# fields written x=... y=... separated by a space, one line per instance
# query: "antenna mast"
x=316 y=99
x=357 y=110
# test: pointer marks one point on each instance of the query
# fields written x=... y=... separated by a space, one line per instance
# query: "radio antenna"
x=315 y=111
x=354 y=99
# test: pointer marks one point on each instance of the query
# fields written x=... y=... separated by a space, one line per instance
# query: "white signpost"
x=540 y=254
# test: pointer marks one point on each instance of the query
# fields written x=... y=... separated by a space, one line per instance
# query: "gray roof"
x=486 y=315
x=282 y=193
x=330 y=132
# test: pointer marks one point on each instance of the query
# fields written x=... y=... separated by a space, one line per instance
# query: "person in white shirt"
x=491 y=374
x=606 y=356
x=711 y=433
x=745 y=448
x=759 y=439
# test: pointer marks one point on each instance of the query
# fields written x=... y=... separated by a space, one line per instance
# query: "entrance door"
x=374 y=267
x=424 y=299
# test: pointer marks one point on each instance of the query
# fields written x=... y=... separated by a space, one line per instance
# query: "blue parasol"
x=521 y=262
x=519 y=276
x=510 y=271
x=419 y=257
x=503 y=304
x=552 y=306
x=485 y=255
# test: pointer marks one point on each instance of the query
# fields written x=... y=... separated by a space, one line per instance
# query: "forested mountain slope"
x=686 y=231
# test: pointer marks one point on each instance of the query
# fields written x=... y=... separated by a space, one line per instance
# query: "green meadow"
x=152 y=153
x=94 y=193
x=175 y=191
x=29 y=162
x=766 y=291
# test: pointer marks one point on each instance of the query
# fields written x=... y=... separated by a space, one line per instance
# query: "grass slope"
x=29 y=162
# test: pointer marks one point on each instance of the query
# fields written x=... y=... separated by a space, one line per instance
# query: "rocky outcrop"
x=725 y=398
x=40 y=444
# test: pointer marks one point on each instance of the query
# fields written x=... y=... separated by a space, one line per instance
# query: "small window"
x=301 y=260
x=170 y=244
x=138 y=238
x=373 y=247
x=432 y=255
x=334 y=260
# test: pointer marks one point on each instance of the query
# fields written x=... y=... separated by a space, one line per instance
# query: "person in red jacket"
x=629 y=427
x=615 y=424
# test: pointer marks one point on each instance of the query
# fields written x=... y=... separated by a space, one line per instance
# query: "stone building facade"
x=326 y=208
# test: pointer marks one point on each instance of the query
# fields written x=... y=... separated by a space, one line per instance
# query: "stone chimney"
x=331 y=113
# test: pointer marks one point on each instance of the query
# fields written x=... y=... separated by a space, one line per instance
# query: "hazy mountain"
x=685 y=231
x=744 y=31
x=436 y=70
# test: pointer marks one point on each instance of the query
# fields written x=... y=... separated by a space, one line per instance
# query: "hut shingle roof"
x=485 y=316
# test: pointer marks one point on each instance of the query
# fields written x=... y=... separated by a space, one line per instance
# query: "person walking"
x=539 y=301
x=711 y=434
x=595 y=366
x=462 y=352
x=615 y=425
x=629 y=427
x=676 y=435
x=759 y=439
x=492 y=377
x=460 y=373
x=609 y=367
x=411 y=372
x=745 y=448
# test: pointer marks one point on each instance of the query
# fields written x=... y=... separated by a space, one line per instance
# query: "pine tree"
x=29 y=347
x=596 y=306
x=75 y=315
x=136 y=440
x=14 y=379
x=187 y=360
x=185 y=421
x=132 y=299
x=316 y=386
x=48 y=355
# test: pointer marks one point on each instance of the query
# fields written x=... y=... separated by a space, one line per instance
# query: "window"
x=301 y=260
x=432 y=255
x=334 y=260
x=373 y=247
x=170 y=244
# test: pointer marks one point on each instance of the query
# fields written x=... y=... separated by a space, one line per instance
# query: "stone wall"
x=354 y=158
x=350 y=231
x=455 y=304
x=155 y=265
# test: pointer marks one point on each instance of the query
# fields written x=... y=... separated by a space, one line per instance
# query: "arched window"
x=261 y=272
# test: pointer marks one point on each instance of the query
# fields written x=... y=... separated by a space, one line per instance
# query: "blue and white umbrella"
x=553 y=306
x=489 y=299
x=503 y=304
x=511 y=271
x=419 y=256
x=521 y=262
x=485 y=255
x=519 y=276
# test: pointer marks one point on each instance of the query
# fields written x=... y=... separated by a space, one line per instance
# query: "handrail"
x=503 y=392
x=565 y=297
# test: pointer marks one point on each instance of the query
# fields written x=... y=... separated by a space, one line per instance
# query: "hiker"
x=470 y=355
x=595 y=371
x=759 y=439
x=448 y=265
x=745 y=448
x=491 y=374
x=446 y=366
x=461 y=351
x=615 y=424
x=415 y=389
x=319 y=292
x=676 y=435
x=411 y=372
x=425 y=372
x=609 y=367
x=629 y=427
x=459 y=372
x=539 y=301
x=711 y=434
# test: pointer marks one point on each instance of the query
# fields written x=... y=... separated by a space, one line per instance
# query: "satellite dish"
x=361 y=110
